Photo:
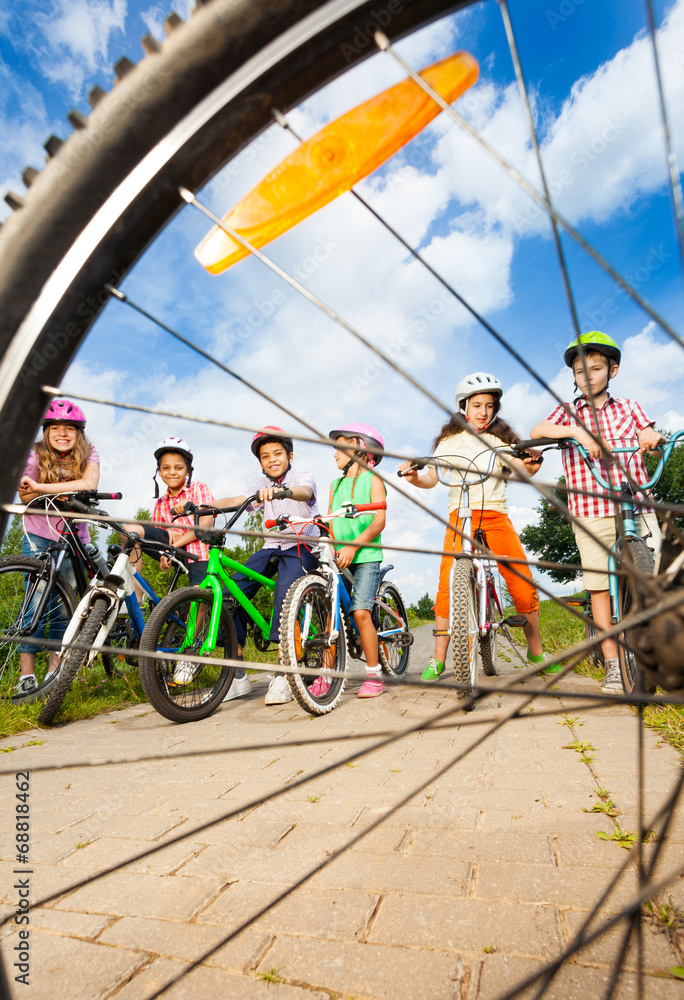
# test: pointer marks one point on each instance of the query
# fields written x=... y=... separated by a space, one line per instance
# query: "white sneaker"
x=239 y=687
x=186 y=672
x=278 y=692
x=612 y=682
x=26 y=685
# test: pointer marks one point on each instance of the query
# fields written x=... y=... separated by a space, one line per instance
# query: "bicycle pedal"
x=441 y=631
x=515 y=621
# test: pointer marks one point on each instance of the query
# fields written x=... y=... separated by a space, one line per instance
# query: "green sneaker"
x=433 y=671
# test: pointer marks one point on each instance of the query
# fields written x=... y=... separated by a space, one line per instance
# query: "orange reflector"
x=333 y=160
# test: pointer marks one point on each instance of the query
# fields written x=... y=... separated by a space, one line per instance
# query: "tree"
x=553 y=538
x=11 y=543
x=424 y=608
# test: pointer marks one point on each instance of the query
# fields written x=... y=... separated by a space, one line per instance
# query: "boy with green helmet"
x=622 y=423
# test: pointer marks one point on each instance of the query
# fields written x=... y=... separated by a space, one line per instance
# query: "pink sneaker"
x=320 y=687
x=371 y=688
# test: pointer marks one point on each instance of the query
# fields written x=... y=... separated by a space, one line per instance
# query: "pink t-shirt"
x=37 y=524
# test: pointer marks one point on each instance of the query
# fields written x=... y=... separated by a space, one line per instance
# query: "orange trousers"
x=501 y=539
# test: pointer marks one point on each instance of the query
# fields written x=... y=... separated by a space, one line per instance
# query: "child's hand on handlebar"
x=274 y=493
x=595 y=447
x=345 y=556
x=165 y=562
x=532 y=460
x=409 y=471
x=649 y=439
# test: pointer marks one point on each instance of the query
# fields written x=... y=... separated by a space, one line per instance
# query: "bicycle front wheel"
x=304 y=643
x=20 y=592
x=488 y=643
x=181 y=690
x=635 y=554
x=464 y=631
x=393 y=651
x=73 y=659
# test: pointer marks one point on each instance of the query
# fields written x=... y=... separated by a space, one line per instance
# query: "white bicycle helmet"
x=477 y=382
x=174 y=444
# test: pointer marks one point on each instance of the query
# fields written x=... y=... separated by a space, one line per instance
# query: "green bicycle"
x=198 y=622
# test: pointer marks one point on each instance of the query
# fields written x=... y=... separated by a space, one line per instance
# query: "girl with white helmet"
x=358 y=485
x=471 y=434
x=63 y=456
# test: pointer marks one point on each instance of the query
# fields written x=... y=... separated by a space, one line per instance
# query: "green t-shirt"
x=348 y=529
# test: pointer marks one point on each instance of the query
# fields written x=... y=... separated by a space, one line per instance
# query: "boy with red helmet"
x=288 y=559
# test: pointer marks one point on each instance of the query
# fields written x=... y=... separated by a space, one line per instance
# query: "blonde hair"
x=53 y=468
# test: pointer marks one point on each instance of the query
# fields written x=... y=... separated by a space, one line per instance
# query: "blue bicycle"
x=317 y=630
x=630 y=552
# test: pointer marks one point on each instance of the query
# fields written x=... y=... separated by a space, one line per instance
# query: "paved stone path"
x=485 y=874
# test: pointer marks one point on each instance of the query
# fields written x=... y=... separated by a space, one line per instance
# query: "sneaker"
x=372 y=687
x=320 y=687
x=27 y=684
x=278 y=692
x=433 y=671
x=186 y=672
x=612 y=682
x=239 y=687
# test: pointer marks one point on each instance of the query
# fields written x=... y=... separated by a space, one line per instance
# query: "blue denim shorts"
x=366 y=579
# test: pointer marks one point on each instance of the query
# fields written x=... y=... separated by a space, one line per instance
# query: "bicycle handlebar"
x=347 y=510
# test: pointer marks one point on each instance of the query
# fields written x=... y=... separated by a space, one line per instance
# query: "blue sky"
x=590 y=75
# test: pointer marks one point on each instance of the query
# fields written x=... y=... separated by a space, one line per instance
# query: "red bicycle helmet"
x=271 y=433
x=63 y=411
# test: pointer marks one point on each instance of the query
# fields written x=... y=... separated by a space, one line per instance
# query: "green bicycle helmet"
x=594 y=341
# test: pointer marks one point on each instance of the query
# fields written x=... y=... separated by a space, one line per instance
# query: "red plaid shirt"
x=619 y=422
x=164 y=508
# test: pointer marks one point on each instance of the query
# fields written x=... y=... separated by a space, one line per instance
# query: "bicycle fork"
x=114 y=588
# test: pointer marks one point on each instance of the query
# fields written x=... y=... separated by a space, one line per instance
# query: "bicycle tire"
x=489 y=642
x=640 y=557
x=122 y=634
x=203 y=694
x=393 y=658
x=74 y=659
x=172 y=121
x=464 y=644
x=304 y=624
x=12 y=595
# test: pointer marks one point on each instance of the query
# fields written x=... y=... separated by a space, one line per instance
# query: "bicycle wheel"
x=488 y=643
x=304 y=631
x=73 y=660
x=20 y=582
x=173 y=120
x=464 y=636
x=179 y=690
x=122 y=634
x=635 y=553
x=392 y=651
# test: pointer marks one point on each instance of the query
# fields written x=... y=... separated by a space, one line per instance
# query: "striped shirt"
x=164 y=510
x=620 y=420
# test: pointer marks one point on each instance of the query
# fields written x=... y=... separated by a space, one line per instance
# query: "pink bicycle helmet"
x=63 y=411
x=370 y=436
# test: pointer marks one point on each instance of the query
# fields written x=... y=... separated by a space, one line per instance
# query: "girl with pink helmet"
x=64 y=457
x=360 y=443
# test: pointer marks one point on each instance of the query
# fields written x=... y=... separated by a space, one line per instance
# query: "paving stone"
x=659 y=955
x=55 y=963
x=209 y=984
x=367 y=970
x=186 y=941
x=130 y=895
x=316 y=912
x=545 y=884
x=143 y=826
x=493 y=975
x=252 y=832
x=551 y=822
x=257 y=864
x=81 y=925
x=466 y=925
x=531 y=848
x=45 y=881
x=391 y=874
x=108 y=851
